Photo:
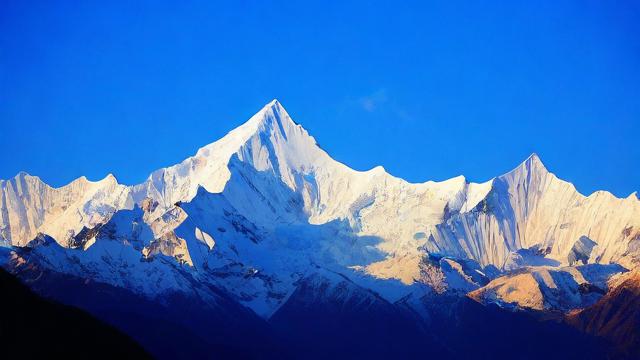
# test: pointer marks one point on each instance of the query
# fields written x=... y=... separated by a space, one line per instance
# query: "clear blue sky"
x=429 y=90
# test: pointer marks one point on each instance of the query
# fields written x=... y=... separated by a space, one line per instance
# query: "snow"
x=264 y=207
x=205 y=238
x=29 y=206
x=548 y=288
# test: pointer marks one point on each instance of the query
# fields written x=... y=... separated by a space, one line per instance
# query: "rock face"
x=547 y=288
x=252 y=217
x=616 y=316
x=581 y=250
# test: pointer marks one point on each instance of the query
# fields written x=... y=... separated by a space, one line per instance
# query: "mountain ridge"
x=272 y=140
x=265 y=222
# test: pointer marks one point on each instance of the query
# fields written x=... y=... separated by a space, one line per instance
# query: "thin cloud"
x=371 y=102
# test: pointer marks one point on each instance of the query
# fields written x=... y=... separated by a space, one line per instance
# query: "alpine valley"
x=262 y=246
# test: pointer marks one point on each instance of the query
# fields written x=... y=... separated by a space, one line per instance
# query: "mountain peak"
x=269 y=140
x=24 y=176
x=273 y=132
x=274 y=111
x=534 y=161
x=272 y=106
x=274 y=103
x=531 y=164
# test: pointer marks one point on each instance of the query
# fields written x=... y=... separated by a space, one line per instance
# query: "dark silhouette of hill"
x=33 y=327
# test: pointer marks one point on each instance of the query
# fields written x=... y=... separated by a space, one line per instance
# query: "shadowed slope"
x=32 y=327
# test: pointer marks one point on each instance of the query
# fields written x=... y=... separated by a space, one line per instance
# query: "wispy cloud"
x=371 y=102
x=379 y=101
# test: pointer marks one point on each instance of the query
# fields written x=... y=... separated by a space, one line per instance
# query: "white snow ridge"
x=264 y=208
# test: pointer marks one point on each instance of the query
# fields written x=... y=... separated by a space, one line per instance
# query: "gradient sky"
x=429 y=90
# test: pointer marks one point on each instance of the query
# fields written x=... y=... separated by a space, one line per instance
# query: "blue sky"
x=429 y=90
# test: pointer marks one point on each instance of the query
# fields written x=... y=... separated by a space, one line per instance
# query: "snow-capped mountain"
x=264 y=216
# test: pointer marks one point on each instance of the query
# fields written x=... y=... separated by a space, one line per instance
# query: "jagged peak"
x=272 y=111
x=533 y=162
x=274 y=104
x=534 y=166
x=271 y=128
x=530 y=165
x=272 y=115
x=25 y=175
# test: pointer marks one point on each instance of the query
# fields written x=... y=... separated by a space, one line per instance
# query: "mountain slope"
x=248 y=220
x=32 y=327
x=616 y=316
x=329 y=316
x=524 y=208
x=531 y=208
x=548 y=288
x=29 y=206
